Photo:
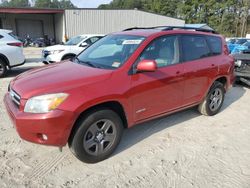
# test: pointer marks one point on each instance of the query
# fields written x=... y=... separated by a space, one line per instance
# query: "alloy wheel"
x=99 y=137
x=216 y=98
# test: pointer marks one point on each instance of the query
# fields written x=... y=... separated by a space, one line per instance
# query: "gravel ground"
x=185 y=150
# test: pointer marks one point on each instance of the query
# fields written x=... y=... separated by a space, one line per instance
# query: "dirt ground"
x=185 y=150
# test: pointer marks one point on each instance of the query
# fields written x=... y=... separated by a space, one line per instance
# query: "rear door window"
x=194 y=47
x=215 y=44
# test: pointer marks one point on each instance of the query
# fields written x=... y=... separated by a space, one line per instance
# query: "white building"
x=58 y=23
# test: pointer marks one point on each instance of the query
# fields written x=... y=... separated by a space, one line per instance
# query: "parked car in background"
x=11 y=52
x=123 y=79
x=42 y=42
x=242 y=67
x=244 y=48
x=70 y=49
x=233 y=44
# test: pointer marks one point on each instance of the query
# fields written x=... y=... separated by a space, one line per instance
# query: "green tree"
x=15 y=3
x=53 y=4
x=229 y=17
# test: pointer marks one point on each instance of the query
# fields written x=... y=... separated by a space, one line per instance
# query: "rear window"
x=215 y=45
x=194 y=47
x=13 y=36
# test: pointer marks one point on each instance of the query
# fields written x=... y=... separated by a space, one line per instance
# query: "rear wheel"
x=97 y=136
x=211 y=105
x=3 y=68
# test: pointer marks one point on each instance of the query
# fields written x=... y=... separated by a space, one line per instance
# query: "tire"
x=213 y=102
x=68 y=57
x=97 y=135
x=3 y=68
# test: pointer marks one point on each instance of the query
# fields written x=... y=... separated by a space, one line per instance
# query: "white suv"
x=11 y=52
x=70 y=49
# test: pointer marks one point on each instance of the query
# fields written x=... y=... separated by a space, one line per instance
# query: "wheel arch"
x=113 y=105
x=5 y=59
x=68 y=54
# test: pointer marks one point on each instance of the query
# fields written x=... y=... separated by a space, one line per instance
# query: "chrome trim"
x=15 y=97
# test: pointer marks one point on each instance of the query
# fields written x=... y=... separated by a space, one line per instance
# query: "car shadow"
x=232 y=96
x=142 y=131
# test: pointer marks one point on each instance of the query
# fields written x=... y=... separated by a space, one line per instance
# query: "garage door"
x=33 y=28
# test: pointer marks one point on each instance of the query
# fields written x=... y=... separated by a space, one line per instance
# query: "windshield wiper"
x=87 y=63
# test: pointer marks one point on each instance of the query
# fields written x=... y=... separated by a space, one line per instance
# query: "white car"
x=69 y=50
x=11 y=52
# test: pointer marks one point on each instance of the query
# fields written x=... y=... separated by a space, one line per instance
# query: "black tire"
x=68 y=57
x=3 y=68
x=213 y=102
x=92 y=148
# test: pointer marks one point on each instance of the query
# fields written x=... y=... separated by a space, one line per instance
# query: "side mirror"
x=84 y=44
x=146 y=66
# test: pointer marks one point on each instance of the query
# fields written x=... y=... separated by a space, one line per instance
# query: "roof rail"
x=189 y=28
x=167 y=28
x=133 y=28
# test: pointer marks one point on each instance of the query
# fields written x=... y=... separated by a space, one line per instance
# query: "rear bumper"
x=56 y=125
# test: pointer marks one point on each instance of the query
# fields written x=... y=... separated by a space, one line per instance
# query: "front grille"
x=15 y=97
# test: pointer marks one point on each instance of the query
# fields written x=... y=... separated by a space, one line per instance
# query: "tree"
x=54 y=4
x=15 y=3
x=228 y=17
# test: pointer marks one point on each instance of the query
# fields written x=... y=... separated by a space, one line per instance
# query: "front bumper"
x=56 y=125
x=52 y=58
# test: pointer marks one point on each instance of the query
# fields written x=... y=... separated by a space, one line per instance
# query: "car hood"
x=58 y=77
x=57 y=47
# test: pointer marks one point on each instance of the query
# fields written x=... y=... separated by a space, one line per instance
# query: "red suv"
x=123 y=79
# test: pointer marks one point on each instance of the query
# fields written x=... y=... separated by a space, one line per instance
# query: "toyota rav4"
x=122 y=80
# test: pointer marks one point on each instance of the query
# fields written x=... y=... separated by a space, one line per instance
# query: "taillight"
x=18 y=44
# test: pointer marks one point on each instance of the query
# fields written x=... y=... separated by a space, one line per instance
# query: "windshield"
x=75 y=40
x=111 y=51
x=241 y=41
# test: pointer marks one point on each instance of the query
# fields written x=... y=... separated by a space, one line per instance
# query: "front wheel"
x=212 y=104
x=97 y=136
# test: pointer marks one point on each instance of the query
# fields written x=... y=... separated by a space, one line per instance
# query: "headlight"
x=238 y=63
x=44 y=103
x=56 y=51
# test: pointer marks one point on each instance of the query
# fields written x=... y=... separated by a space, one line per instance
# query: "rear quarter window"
x=215 y=44
x=1 y=36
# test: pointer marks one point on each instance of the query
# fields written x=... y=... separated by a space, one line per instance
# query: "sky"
x=89 y=3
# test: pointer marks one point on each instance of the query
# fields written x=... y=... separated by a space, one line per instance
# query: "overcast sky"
x=89 y=3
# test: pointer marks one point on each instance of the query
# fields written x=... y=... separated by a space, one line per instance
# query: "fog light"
x=42 y=137
x=45 y=137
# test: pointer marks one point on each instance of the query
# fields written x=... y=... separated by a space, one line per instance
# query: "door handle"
x=212 y=65
x=177 y=72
